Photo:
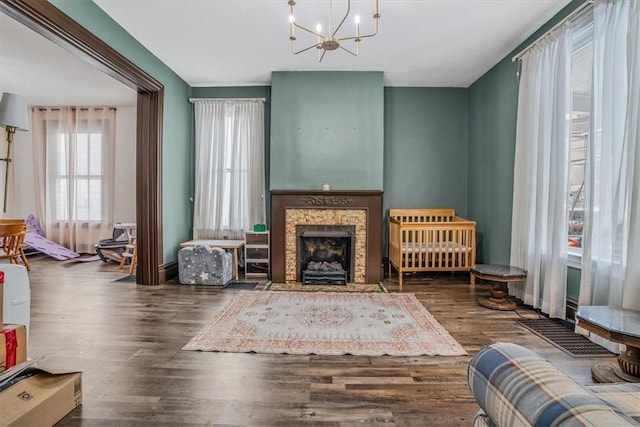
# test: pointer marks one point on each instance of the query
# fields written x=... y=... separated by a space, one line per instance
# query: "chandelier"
x=331 y=40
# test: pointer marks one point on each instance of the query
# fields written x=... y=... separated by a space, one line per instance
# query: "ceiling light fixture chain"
x=330 y=40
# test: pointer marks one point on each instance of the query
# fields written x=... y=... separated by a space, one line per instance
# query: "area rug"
x=350 y=287
x=326 y=323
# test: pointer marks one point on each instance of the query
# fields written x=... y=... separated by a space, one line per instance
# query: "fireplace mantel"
x=370 y=201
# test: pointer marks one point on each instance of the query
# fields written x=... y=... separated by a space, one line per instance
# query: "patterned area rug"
x=326 y=323
x=350 y=287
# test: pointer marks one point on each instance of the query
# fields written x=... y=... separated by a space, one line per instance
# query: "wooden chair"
x=130 y=253
x=12 y=233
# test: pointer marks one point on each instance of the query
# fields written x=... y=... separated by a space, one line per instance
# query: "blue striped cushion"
x=516 y=387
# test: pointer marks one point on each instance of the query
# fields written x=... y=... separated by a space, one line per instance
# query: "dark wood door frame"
x=50 y=22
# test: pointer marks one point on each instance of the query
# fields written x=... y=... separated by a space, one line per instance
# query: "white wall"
x=125 y=190
x=21 y=200
x=21 y=192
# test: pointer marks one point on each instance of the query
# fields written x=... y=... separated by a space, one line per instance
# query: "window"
x=229 y=168
x=581 y=71
x=79 y=149
x=79 y=166
x=74 y=156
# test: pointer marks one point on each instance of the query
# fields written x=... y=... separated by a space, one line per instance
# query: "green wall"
x=492 y=129
x=493 y=103
x=425 y=148
x=177 y=137
x=326 y=127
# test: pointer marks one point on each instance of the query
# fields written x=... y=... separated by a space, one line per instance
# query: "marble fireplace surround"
x=361 y=208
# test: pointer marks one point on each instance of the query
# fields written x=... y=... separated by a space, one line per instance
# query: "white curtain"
x=610 y=267
x=230 y=174
x=74 y=163
x=541 y=173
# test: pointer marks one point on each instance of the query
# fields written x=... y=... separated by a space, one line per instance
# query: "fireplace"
x=325 y=255
x=352 y=218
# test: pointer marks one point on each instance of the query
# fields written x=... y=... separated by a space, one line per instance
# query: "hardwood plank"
x=127 y=340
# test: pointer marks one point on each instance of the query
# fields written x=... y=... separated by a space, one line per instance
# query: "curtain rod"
x=75 y=108
x=192 y=100
x=584 y=7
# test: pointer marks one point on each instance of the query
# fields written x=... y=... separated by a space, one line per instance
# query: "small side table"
x=500 y=275
x=618 y=325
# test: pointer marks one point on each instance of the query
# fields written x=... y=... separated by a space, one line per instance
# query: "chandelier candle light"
x=331 y=40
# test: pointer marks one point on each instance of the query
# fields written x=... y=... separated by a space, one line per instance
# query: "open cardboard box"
x=13 y=346
x=33 y=396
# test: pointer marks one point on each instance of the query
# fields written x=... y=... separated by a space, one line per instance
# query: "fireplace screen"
x=325 y=254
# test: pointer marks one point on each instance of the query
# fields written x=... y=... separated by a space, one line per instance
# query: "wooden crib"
x=430 y=240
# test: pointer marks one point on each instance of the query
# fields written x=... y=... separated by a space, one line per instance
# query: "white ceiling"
x=420 y=42
x=47 y=75
x=240 y=42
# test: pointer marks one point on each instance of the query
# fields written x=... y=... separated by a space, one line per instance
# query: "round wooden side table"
x=500 y=275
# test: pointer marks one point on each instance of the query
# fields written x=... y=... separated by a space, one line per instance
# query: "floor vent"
x=563 y=338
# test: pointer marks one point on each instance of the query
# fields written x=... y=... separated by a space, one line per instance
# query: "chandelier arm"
x=295 y=24
x=359 y=37
x=347 y=50
x=343 y=19
x=322 y=56
x=363 y=37
x=303 y=50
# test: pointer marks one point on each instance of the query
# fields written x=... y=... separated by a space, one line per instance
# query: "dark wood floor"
x=126 y=340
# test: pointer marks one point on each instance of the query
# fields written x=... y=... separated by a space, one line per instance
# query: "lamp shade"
x=13 y=112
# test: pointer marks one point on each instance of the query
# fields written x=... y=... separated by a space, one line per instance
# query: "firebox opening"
x=325 y=254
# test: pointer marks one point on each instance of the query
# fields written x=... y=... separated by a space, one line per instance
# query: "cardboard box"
x=13 y=346
x=39 y=398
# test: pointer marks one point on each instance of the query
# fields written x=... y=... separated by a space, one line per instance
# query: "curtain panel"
x=74 y=159
x=541 y=173
x=229 y=168
x=610 y=270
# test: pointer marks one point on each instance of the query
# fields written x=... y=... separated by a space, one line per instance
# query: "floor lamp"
x=13 y=117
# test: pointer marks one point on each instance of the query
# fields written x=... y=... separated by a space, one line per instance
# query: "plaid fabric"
x=482 y=420
x=516 y=387
x=624 y=396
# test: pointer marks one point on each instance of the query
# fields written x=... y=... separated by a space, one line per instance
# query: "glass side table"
x=500 y=275
x=618 y=325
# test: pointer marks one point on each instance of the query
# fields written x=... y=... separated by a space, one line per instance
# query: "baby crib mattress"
x=434 y=247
